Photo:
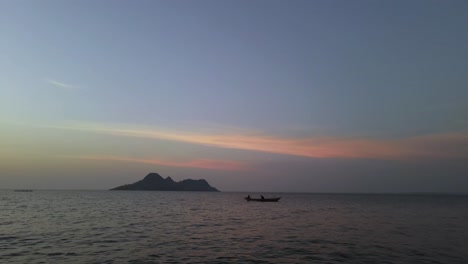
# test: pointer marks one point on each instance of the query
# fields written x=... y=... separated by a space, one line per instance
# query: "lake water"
x=190 y=227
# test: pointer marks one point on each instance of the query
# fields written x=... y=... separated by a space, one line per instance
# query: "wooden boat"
x=23 y=190
x=249 y=199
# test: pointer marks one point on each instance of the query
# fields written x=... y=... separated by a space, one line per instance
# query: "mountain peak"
x=153 y=176
x=169 y=179
x=154 y=182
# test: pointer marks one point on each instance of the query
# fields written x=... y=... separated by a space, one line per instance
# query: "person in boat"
x=248 y=197
x=263 y=198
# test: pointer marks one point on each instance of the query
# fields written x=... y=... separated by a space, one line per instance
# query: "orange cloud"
x=199 y=163
x=429 y=146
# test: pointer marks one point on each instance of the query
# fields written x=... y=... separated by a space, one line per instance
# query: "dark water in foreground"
x=183 y=227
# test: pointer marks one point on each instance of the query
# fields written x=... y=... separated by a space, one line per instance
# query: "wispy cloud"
x=197 y=163
x=61 y=84
x=450 y=145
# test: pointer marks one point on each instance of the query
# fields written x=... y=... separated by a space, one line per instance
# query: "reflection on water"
x=184 y=227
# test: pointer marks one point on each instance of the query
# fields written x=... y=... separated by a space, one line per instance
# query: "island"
x=154 y=182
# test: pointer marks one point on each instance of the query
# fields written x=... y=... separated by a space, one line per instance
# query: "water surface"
x=197 y=227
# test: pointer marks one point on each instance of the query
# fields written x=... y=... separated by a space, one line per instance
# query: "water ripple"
x=177 y=227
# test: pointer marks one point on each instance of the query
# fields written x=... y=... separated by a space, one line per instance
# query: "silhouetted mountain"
x=154 y=182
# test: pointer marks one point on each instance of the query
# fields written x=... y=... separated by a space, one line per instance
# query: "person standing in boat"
x=263 y=198
x=248 y=197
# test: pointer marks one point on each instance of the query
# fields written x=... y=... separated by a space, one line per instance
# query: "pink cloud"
x=449 y=145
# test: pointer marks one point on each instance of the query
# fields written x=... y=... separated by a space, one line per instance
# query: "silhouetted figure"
x=248 y=197
x=263 y=198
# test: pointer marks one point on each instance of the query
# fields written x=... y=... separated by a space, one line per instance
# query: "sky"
x=271 y=96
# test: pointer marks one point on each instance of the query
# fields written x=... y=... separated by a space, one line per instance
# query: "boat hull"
x=262 y=200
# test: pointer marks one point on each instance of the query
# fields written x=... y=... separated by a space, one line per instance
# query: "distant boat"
x=23 y=190
x=249 y=199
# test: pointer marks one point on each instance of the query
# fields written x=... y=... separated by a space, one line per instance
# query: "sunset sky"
x=300 y=96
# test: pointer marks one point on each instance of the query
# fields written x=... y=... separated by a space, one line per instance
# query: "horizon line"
x=291 y=192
